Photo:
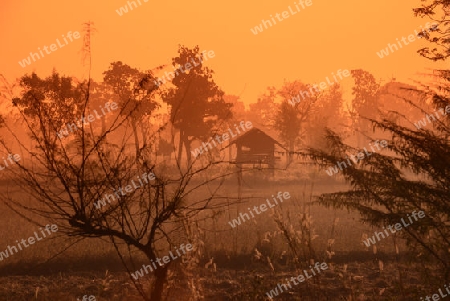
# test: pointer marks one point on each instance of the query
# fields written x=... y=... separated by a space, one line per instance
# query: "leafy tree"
x=100 y=94
x=410 y=174
x=327 y=112
x=196 y=102
x=55 y=97
x=135 y=90
x=365 y=102
x=288 y=124
x=291 y=120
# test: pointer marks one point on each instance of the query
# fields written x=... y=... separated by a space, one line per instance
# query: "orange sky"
x=310 y=45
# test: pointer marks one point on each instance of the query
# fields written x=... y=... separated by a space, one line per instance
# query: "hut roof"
x=252 y=131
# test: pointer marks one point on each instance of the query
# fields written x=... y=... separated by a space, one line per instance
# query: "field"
x=61 y=268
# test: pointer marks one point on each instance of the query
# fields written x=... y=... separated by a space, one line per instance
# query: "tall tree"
x=288 y=124
x=56 y=98
x=364 y=103
x=409 y=175
x=412 y=174
x=135 y=95
x=290 y=119
x=326 y=113
x=196 y=102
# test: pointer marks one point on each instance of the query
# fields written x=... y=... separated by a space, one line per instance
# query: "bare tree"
x=75 y=181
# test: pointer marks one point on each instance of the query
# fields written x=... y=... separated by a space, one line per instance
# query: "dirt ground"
x=357 y=280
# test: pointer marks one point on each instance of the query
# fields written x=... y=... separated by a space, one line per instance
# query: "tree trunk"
x=157 y=289
x=187 y=146
x=291 y=151
x=180 y=147
x=136 y=137
x=172 y=142
x=144 y=131
x=103 y=127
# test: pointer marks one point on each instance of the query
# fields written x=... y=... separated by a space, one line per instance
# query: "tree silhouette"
x=135 y=96
x=439 y=12
x=410 y=174
x=326 y=113
x=66 y=180
x=364 y=103
x=290 y=120
x=196 y=102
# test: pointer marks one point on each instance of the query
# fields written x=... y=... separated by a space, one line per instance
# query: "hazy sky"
x=310 y=45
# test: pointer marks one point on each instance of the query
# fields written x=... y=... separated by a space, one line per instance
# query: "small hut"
x=255 y=147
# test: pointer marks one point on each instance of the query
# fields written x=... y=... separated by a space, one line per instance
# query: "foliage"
x=439 y=12
x=196 y=102
x=410 y=175
x=365 y=102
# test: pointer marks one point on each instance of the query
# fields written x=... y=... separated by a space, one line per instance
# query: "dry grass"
x=80 y=270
